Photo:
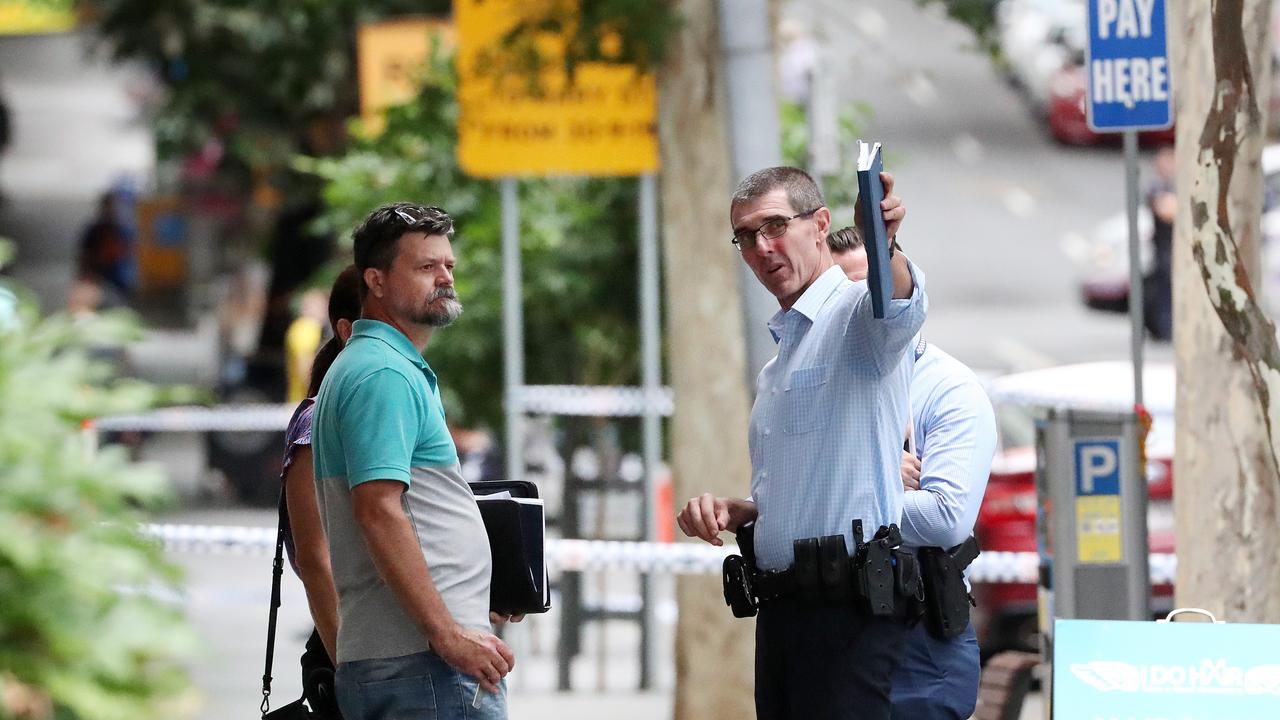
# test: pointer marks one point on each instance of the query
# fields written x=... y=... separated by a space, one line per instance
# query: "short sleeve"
x=298 y=433
x=379 y=424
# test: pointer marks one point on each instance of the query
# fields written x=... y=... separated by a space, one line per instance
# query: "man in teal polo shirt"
x=409 y=551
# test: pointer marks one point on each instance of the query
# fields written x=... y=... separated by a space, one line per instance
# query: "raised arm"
x=894 y=213
x=884 y=340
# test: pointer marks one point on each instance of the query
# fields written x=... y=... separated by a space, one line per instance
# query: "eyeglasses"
x=772 y=229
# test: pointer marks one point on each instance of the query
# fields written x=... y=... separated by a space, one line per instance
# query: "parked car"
x=1006 y=614
x=1037 y=38
x=1104 y=268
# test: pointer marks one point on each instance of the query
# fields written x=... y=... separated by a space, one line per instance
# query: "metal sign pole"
x=1135 y=260
x=746 y=44
x=650 y=342
x=652 y=429
x=512 y=327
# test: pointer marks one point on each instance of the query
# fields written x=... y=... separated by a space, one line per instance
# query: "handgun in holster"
x=876 y=574
x=946 y=601
x=737 y=573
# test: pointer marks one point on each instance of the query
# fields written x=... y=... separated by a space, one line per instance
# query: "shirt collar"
x=812 y=300
x=379 y=330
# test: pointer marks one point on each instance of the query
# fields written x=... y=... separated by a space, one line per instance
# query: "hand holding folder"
x=870 y=219
x=878 y=215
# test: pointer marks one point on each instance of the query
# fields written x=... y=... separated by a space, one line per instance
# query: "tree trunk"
x=1228 y=364
x=714 y=651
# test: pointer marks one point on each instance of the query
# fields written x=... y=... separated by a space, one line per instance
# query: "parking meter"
x=1091 y=519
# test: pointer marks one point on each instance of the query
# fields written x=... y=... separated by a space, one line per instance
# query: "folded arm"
x=959 y=444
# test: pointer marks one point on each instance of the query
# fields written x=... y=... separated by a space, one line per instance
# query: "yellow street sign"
x=27 y=17
x=603 y=122
x=390 y=56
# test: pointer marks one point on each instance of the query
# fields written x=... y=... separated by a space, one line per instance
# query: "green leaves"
x=841 y=190
x=254 y=78
x=83 y=626
x=578 y=249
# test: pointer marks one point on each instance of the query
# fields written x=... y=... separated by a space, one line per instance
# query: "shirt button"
x=767 y=431
x=764 y=474
x=775 y=391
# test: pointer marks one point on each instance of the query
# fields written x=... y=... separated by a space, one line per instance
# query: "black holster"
x=946 y=601
x=738 y=573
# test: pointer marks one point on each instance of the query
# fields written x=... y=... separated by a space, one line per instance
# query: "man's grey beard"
x=442 y=314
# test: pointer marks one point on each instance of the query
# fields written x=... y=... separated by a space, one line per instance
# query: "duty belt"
x=876 y=578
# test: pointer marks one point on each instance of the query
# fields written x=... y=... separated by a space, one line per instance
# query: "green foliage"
x=56 y=5
x=250 y=75
x=841 y=190
x=602 y=31
x=80 y=625
x=578 y=248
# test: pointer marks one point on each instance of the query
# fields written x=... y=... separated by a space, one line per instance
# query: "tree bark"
x=1228 y=363
x=714 y=651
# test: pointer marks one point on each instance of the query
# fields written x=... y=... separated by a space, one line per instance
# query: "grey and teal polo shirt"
x=379 y=417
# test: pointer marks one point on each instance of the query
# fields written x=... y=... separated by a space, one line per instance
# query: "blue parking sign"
x=1127 y=66
x=1097 y=466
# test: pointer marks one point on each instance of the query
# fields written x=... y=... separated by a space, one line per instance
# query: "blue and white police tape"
x=592 y=401
x=616 y=555
x=228 y=418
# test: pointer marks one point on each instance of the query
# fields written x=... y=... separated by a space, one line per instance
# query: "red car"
x=1066 y=113
x=1006 y=615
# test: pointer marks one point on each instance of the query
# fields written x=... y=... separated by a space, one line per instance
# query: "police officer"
x=839 y=372
x=954 y=438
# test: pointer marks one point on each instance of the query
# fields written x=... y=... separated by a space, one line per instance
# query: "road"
x=994 y=204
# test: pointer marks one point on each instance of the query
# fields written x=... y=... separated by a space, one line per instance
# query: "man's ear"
x=344 y=330
x=373 y=281
x=822 y=220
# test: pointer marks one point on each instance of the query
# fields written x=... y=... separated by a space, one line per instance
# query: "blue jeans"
x=413 y=687
x=936 y=679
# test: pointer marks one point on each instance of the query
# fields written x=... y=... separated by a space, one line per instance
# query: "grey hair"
x=802 y=192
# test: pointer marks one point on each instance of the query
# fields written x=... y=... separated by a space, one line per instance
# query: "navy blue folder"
x=514 y=519
x=874 y=235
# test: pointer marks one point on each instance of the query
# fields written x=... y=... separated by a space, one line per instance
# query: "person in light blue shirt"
x=954 y=434
x=839 y=372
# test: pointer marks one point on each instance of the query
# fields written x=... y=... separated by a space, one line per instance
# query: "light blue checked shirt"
x=955 y=431
x=830 y=416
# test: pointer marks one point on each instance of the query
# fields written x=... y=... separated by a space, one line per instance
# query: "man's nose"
x=763 y=245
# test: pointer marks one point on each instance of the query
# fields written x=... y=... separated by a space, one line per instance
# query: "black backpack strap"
x=277 y=570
